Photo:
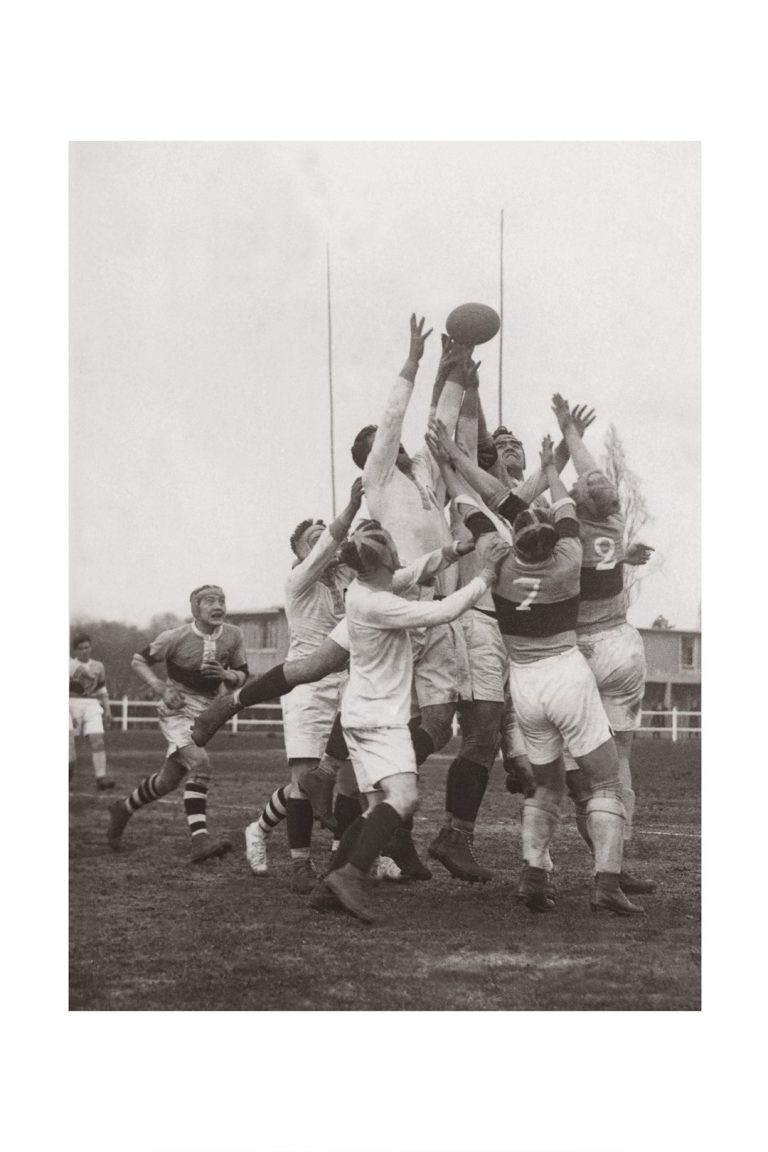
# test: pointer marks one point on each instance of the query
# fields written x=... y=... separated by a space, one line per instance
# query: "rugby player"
x=202 y=659
x=485 y=713
x=314 y=604
x=405 y=494
x=88 y=708
x=376 y=706
x=611 y=646
x=554 y=692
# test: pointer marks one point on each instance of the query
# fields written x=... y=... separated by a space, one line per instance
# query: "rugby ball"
x=472 y=324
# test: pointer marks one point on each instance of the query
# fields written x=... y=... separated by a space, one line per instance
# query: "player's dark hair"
x=361 y=446
x=534 y=535
x=300 y=529
x=80 y=638
x=350 y=556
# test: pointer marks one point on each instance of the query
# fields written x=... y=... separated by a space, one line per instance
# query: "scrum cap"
x=370 y=546
x=196 y=596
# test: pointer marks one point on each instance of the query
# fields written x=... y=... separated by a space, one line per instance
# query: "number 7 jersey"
x=537 y=604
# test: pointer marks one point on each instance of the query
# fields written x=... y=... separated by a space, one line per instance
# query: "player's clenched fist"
x=492 y=550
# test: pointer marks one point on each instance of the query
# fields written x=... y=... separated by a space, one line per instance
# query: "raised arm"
x=557 y=489
x=583 y=461
x=441 y=444
x=467 y=428
x=382 y=458
x=536 y=484
x=425 y=567
x=392 y=612
x=312 y=567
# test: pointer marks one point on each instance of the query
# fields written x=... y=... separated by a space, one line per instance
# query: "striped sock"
x=195 y=799
x=146 y=792
x=275 y=810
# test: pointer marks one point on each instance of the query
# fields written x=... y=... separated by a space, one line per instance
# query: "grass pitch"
x=149 y=931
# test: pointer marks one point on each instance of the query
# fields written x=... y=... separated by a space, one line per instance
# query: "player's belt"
x=487 y=612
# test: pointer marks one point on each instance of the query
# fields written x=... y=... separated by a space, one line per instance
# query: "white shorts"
x=439 y=661
x=86 y=717
x=557 y=703
x=617 y=660
x=487 y=659
x=176 y=723
x=379 y=752
x=308 y=715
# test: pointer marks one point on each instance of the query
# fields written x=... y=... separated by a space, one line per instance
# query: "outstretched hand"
x=356 y=494
x=561 y=411
x=638 y=554
x=547 y=453
x=583 y=417
x=492 y=551
x=444 y=447
x=453 y=356
x=418 y=339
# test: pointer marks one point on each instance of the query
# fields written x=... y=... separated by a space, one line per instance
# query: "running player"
x=202 y=659
x=314 y=604
x=554 y=692
x=88 y=708
x=376 y=705
x=611 y=646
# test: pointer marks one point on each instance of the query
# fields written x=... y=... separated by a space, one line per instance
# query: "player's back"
x=381 y=665
x=537 y=603
x=603 y=601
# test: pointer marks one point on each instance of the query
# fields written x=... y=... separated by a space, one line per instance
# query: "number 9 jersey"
x=603 y=602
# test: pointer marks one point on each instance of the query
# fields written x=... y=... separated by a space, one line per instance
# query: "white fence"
x=674 y=725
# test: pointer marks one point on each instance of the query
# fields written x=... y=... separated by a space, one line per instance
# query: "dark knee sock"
x=299 y=817
x=470 y=783
x=348 y=842
x=423 y=744
x=346 y=810
x=450 y=786
x=378 y=829
x=267 y=687
x=337 y=745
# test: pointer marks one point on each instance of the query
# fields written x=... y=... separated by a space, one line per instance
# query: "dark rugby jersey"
x=603 y=602
x=537 y=604
x=185 y=649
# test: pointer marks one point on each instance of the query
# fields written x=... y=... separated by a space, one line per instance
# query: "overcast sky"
x=199 y=356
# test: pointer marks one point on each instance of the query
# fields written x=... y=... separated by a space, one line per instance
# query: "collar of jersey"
x=207 y=635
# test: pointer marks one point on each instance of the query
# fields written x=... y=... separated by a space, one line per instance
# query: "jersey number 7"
x=532 y=582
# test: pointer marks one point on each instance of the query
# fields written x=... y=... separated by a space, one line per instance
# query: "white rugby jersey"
x=314 y=597
x=87 y=679
x=410 y=506
x=381 y=660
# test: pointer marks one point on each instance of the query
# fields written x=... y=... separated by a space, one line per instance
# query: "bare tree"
x=633 y=505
